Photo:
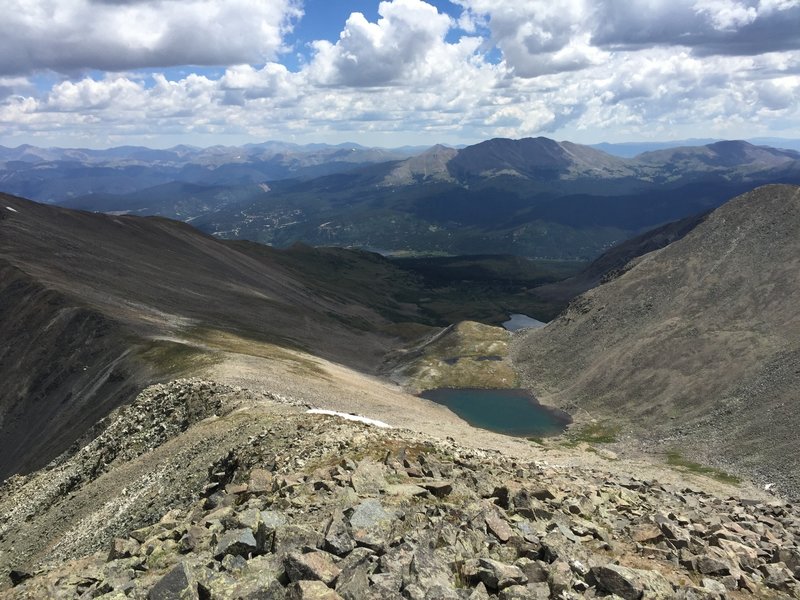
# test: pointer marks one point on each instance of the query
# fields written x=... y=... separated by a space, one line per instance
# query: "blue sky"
x=98 y=73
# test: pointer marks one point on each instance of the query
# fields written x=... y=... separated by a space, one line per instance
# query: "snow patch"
x=349 y=417
x=11 y=209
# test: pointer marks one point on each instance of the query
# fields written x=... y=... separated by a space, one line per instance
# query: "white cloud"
x=579 y=69
x=71 y=35
x=708 y=27
x=91 y=95
x=403 y=44
x=779 y=94
x=539 y=37
x=726 y=15
x=243 y=82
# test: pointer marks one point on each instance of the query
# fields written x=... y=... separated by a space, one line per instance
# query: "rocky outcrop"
x=319 y=507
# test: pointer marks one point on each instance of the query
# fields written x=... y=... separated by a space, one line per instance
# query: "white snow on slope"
x=11 y=209
x=349 y=417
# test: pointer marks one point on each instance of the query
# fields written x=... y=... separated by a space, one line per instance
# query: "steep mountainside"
x=63 y=367
x=608 y=264
x=94 y=306
x=696 y=345
x=157 y=275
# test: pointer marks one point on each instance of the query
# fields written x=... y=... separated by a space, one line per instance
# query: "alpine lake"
x=509 y=411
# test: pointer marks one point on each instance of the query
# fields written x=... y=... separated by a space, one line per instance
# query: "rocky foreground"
x=298 y=506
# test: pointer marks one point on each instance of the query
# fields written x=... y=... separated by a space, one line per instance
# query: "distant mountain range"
x=631 y=149
x=55 y=174
x=532 y=197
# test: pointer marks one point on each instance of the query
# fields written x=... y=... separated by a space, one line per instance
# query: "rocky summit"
x=199 y=490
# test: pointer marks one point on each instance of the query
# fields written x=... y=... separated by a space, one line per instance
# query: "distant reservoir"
x=512 y=412
x=518 y=321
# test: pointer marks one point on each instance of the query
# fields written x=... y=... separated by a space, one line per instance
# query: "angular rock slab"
x=178 y=584
x=312 y=566
x=240 y=542
x=632 y=584
x=310 y=590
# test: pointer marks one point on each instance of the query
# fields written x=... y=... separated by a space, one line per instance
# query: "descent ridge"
x=283 y=504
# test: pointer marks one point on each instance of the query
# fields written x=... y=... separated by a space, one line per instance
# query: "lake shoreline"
x=510 y=411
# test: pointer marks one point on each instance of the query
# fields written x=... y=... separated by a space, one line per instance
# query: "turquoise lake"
x=512 y=412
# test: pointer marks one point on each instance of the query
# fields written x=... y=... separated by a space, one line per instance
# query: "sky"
x=99 y=73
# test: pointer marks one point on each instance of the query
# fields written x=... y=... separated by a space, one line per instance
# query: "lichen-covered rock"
x=178 y=584
x=240 y=542
x=497 y=576
x=337 y=537
x=316 y=565
x=631 y=584
x=310 y=590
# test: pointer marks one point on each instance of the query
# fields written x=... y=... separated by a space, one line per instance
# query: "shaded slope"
x=93 y=307
x=612 y=262
x=174 y=200
x=63 y=367
x=158 y=276
x=696 y=344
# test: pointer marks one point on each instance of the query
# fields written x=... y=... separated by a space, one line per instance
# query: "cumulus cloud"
x=72 y=35
x=580 y=68
x=708 y=27
x=540 y=37
x=407 y=38
x=779 y=94
x=244 y=82
x=725 y=15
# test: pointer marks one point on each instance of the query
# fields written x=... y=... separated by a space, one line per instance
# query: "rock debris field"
x=275 y=503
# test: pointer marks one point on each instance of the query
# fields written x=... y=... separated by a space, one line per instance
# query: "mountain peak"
x=429 y=166
x=534 y=158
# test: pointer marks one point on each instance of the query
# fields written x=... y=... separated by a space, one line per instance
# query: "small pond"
x=512 y=412
x=518 y=321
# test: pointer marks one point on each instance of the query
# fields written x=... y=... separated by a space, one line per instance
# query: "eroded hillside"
x=694 y=347
x=95 y=307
